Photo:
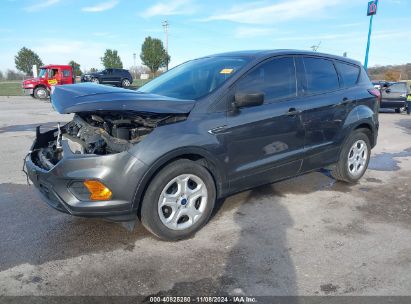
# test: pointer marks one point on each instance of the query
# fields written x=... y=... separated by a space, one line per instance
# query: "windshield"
x=195 y=79
x=42 y=73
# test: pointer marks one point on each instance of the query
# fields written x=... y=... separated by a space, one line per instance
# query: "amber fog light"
x=98 y=191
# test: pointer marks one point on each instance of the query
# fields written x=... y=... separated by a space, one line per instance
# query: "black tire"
x=125 y=83
x=41 y=93
x=95 y=80
x=150 y=217
x=341 y=170
x=398 y=111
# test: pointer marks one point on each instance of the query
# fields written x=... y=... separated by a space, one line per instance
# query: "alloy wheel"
x=357 y=158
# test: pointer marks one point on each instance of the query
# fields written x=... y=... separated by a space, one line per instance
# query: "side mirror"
x=247 y=100
x=388 y=91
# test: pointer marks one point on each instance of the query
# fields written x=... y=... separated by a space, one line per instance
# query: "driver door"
x=266 y=143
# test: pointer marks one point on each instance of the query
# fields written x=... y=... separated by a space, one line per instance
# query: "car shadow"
x=34 y=233
x=260 y=262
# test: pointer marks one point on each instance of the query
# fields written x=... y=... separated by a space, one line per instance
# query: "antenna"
x=315 y=47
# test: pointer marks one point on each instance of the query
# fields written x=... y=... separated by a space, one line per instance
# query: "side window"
x=275 y=78
x=398 y=88
x=66 y=73
x=349 y=73
x=109 y=71
x=320 y=75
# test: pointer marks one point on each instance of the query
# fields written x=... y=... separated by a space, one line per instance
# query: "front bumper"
x=28 y=91
x=120 y=172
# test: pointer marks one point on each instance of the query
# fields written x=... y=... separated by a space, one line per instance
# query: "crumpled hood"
x=90 y=97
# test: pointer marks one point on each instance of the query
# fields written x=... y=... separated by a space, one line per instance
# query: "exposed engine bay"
x=99 y=133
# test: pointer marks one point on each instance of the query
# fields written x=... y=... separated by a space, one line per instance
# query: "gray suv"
x=204 y=130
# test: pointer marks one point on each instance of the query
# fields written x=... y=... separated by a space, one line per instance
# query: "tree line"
x=391 y=72
x=153 y=57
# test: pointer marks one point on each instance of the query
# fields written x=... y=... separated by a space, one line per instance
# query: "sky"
x=64 y=30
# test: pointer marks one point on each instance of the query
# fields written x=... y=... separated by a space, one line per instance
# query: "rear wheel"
x=41 y=93
x=354 y=157
x=178 y=201
x=125 y=83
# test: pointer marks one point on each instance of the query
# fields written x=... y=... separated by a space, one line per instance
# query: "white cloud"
x=259 y=13
x=249 y=32
x=103 y=6
x=41 y=5
x=176 y=7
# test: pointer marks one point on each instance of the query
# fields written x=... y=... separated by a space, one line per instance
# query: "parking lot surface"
x=304 y=236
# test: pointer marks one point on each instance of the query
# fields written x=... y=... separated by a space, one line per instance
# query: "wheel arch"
x=195 y=154
x=367 y=126
x=362 y=117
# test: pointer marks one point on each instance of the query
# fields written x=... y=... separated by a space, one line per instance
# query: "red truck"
x=49 y=75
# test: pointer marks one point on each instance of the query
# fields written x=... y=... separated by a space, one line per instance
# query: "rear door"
x=265 y=143
x=395 y=95
x=326 y=104
x=107 y=75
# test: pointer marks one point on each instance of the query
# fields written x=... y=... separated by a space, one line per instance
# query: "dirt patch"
x=390 y=202
x=329 y=288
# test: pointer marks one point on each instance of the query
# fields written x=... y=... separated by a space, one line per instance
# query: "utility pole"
x=134 y=67
x=165 y=27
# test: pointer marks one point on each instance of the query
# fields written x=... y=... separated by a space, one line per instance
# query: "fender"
x=212 y=163
x=361 y=116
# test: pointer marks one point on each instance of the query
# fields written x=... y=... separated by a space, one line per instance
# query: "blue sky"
x=62 y=30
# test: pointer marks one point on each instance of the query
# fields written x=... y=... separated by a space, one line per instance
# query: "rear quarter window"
x=349 y=73
x=320 y=75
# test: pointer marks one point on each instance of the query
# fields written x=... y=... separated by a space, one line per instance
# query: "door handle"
x=345 y=101
x=293 y=112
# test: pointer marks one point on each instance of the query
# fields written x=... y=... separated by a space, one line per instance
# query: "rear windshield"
x=195 y=79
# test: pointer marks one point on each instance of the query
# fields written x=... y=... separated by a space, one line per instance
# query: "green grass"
x=140 y=82
x=11 y=88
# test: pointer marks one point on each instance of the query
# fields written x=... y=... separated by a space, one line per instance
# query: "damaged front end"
x=99 y=133
x=84 y=167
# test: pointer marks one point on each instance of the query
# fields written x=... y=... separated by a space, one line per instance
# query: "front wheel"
x=41 y=93
x=354 y=157
x=178 y=201
x=125 y=83
x=95 y=80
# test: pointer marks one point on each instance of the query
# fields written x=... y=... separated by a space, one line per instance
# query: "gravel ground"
x=304 y=236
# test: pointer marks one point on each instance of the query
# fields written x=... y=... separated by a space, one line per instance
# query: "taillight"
x=376 y=93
